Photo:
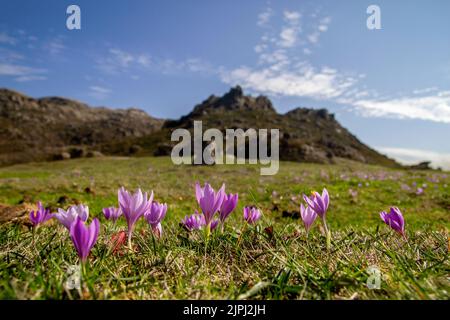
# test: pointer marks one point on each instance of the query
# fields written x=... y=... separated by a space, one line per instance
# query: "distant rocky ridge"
x=57 y=128
x=47 y=128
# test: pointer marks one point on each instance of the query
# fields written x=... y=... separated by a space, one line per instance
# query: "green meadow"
x=272 y=260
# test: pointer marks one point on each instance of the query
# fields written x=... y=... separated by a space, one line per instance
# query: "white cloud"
x=30 y=78
x=288 y=37
x=98 y=92
x=290 y=32
x=280 y=71
x=313 y=37
x=303 y=81
x=433 y=107
x=264 y=17
x=118 y=61
x=55 y=46
x=22 y=73
x=414 y=156
x=292 y=17
x=6 y=39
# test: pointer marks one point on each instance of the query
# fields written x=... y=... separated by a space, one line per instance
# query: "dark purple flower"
x=155 y=215
x=84 y=237
x=394 y=219
x=133 y=207
x=209 y=200
x=251 y=214
x=41 y=215
x=308 y=216
x=68 y=217
x=112 y=213
x=197 y=221
x=228 y=205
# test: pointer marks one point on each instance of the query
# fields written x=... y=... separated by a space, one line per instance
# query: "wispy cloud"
x=7 y=39
x=99 y=93
x=290 y=80
x=55 y=46
x=264 y=16
x=291 y=30
x=118 y=61
x=432 y=106
x=281 y=71
x=22 y=73
x=313 y=37
x=414 y=156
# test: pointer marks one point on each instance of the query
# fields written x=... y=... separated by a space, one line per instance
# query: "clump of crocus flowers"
x=197 y=221
x=252 y=214
x=215 y=207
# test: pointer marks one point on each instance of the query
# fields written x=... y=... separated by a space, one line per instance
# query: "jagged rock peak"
x=234 y=99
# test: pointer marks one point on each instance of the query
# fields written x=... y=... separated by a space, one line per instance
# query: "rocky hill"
x=52 y=128
x=310 y=135
x=55 y=128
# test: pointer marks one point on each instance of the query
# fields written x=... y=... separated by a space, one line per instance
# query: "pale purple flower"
x=155 y=215
x=112 y=213
x=308 y=216
x=251 y=214
x=41 y=215
x=84 y=237
x=209 y=200
x=68 y=217
x=318 y=203
x=228 y=205
x=133 y=207
x=419 y=191
x=394 y=219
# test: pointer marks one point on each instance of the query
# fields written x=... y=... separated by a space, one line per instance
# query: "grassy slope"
x=285 y=266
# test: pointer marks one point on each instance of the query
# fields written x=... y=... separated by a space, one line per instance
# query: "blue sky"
x=390 y=87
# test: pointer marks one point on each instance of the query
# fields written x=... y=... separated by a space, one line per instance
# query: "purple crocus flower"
x=394 y=219
x=209 y=200
x=133 y=207
x=197 y=221
x=112 y=213
x=84 y=237
x=251 y=214
x=319 y=204
x=41 y=215
x=68 y=217
x=308 y=216
x=228 y=205
x=155 y=215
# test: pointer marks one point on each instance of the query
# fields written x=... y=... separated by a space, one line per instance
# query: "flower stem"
x=328 y=234
x=130 y=245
